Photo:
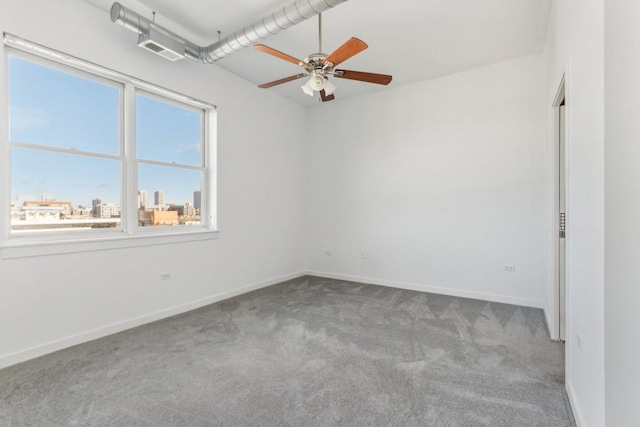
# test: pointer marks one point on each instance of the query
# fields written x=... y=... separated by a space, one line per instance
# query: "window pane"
x=168 y=196
x=167 y=133
x=59 y=191
x=58 y=109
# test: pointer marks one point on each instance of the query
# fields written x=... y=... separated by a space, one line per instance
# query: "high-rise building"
x=158 y=198
x=142 y=199
x=189 y=210
x=107 y=210
x=196 y=199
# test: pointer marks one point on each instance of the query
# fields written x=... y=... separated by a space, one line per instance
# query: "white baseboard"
x=41 y=350
x=551 y=331
x=577 y=413
x=433 y=289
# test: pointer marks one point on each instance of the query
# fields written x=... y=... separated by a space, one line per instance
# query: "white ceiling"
x=413 y=40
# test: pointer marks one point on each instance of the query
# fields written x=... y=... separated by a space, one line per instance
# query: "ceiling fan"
x=320 y=66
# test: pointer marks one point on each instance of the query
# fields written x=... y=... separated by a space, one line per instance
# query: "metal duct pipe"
x=279 y=20
x=142 y=26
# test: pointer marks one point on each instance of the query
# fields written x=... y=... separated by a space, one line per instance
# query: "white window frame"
x=14 y=245
x=203 y=168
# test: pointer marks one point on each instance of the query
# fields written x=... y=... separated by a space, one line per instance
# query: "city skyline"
x=22 y=198
x=50 y=213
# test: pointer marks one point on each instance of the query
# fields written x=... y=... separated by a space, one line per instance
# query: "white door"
x=562 y=217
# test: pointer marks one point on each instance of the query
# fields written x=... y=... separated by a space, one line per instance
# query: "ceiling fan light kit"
x=319 y=66
x=308 y=88
x=329 y=87
x=317 y=83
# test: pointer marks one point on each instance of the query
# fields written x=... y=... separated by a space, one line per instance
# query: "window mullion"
x=5 y=209
x=210 y=175
x=130 y=178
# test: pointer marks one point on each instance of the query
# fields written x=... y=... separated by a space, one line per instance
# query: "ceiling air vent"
x=163 y=45
x=171 y=46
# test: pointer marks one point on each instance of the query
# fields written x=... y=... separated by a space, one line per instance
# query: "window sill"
x=32 y=249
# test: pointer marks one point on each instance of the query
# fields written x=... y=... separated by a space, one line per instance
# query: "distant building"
x=178 y=209
x=142 y=199
x=41 y=210
x=186 y=210
x=189 y=210
x=56 y=214
x=158 y=198
x=155 y=218
x=21 y=198
x=106 y=210
x=48 y=203
x=79 y=213
x=155 y=208
x=197 y=199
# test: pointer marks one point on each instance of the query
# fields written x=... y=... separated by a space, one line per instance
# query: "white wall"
x=622 y=224
x=575 y=47
x=52 y=301
x=440 y=184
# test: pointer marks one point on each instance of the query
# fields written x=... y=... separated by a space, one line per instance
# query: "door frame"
x=560 y=98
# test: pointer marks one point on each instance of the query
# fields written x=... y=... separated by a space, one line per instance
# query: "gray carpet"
x=308 y=352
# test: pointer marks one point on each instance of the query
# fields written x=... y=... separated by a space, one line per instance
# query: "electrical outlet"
x=327 y=252
x=509 y=268
x=165 y=276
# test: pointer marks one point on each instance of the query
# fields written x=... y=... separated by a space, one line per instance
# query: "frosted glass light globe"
x=316 y=83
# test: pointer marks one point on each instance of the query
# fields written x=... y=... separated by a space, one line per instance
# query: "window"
x=66 y=153
x=92 y=153
x=169 y=162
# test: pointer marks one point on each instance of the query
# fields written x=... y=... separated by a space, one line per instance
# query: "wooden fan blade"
x=279 y=82
x=326 y=97
x=278 y=54
x=381 y=79
x=352 y=47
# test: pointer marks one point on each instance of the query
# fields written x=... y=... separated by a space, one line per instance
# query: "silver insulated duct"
x=171 y=46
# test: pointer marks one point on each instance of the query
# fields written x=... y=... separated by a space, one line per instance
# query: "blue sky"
x=56 y=109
